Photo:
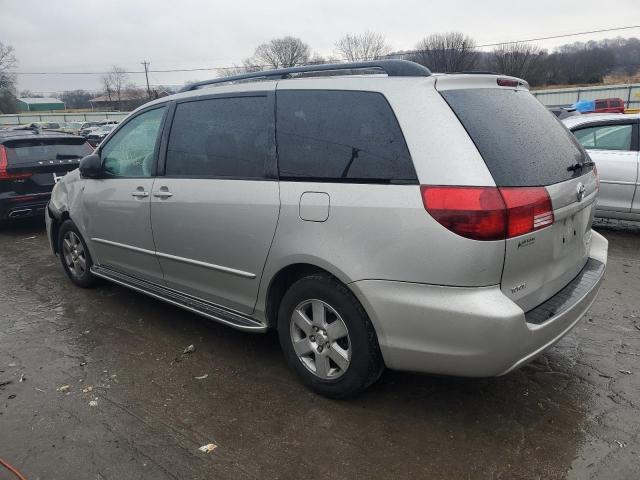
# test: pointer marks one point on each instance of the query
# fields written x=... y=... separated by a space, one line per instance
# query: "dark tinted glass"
x=27 y=151
x=340 y=136
x=521 y=142
x=222 y=137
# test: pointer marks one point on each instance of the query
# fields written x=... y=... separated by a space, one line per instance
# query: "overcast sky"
x=70 y=35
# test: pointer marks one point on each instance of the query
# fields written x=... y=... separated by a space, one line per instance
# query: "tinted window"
x=606 y=137
x=340 y=136
x=520 y=141
x=130 y=152
x=601 y=104
x=45 y=150
x=221 y=137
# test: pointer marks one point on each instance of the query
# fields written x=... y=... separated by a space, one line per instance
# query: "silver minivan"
x=374 y=214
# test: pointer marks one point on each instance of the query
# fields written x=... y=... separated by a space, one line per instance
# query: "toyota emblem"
x=580 y=194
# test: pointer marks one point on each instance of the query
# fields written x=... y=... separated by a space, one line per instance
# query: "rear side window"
x=601 y=104
x=221 y=137
x=606 y=137
x=522 y=144
x=46 y=150
x=340 y=136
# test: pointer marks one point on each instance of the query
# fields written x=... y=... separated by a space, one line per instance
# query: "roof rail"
x=393 y=68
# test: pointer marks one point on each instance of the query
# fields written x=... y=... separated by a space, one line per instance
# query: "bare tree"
x=29 y=94
x=246 y=67
x=7 y=62
x=366 y=46
x=446 y=52
x=113 y=84
x=282 y=53
x=516 y=59
x=76 y=98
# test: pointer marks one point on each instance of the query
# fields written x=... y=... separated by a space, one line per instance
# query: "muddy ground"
x=134 y=408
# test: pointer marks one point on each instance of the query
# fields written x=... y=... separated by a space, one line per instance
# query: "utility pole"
x=146 y=74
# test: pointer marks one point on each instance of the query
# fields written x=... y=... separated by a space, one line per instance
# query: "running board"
x=206 y=309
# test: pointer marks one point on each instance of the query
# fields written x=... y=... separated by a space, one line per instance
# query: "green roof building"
x=28 y=104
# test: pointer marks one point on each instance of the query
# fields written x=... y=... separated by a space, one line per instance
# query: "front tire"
x=327 y=337
x=74 y=255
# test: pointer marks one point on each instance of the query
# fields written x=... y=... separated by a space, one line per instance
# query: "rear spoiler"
x=459 y=81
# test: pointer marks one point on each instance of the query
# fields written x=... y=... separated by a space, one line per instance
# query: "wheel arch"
x=285 y=277
x=56 y=221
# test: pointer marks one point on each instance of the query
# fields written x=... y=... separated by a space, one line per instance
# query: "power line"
x=406 y=52
x=558 y=36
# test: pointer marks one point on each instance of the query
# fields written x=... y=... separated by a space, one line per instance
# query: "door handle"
x=162 y=194
x=140 y=194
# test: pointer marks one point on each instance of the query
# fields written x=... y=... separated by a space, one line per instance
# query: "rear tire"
x=327 y=337
x=74 y=255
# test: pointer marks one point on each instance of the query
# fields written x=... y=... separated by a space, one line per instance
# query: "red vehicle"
x=609 y=105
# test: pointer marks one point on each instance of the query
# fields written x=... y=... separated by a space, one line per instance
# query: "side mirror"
x=91 y=166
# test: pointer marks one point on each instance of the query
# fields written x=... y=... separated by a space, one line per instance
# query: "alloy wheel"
x=320 y=339
x=74 y=254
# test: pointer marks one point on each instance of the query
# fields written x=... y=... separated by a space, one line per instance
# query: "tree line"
x=570 y=64
x=574 y=63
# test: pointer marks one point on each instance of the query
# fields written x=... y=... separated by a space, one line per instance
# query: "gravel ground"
x=109 y=394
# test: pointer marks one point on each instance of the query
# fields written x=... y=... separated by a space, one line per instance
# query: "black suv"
x=31 y=162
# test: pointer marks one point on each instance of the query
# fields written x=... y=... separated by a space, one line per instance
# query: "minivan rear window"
x=521 y=142
x=44 y=150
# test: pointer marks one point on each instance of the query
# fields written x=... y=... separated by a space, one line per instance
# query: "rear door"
x=214 y=212
x=527 y=150
x=613 y=145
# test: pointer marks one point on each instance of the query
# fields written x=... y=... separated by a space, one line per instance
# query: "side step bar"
x=212 y=311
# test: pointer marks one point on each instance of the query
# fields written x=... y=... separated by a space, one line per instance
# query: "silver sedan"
x=612 y=142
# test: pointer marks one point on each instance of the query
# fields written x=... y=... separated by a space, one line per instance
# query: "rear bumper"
x=473 y=332
x=22 y=206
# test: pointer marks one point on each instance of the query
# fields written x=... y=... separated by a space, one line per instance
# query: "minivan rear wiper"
x=580 y=166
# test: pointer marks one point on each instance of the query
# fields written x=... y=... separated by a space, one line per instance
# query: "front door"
x=117 y=206
x=613 y=147
x=214 y=212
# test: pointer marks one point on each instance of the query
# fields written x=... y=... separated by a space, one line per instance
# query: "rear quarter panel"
x=383 y=232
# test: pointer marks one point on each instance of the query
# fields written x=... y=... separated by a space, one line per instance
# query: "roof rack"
x=393 y=68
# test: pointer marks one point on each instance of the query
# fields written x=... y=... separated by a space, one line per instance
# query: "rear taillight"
x=4 y=174
x=528 y=209
x=488 y=213
x=472 y=212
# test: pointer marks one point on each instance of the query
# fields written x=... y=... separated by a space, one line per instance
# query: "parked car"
x=72 y=127
x=44 y=125
x=89 y=127
x=434 y=223
x=564 y=112
x=96 y=136
x=609 y=105
x=603 y=105
x=31 y=162
x=612 y=142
